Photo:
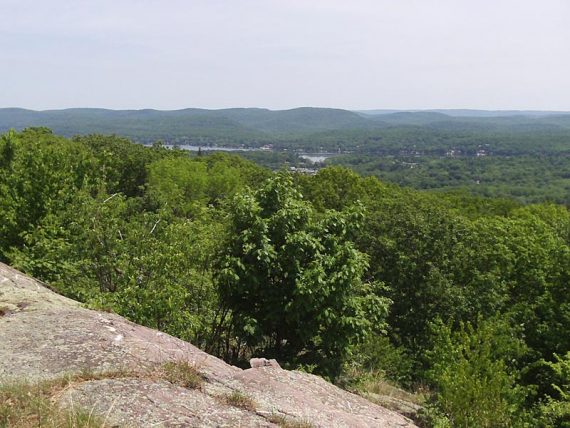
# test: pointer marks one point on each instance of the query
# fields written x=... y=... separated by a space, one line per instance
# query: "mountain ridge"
x=250 y=125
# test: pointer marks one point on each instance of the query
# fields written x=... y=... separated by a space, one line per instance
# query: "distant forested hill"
x=310 y=129
x=237 y=124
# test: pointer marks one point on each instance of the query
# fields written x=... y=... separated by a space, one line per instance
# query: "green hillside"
x=255 y=126
x=149 y=125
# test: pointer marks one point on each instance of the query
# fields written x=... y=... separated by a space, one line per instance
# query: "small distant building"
x=306 y=171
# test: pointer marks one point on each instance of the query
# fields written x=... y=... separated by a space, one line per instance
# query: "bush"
x=474 y=385
x=556 y=409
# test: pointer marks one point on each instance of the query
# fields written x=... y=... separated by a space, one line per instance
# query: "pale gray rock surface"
x=45 y=336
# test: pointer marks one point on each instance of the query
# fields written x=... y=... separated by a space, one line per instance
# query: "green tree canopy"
x=292 y=279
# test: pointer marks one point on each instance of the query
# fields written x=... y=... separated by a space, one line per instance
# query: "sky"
x=279 y=54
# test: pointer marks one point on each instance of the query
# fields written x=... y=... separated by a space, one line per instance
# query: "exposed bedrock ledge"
x=44 y=336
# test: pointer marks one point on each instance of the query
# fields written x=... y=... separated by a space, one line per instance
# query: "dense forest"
x=316 y=129
x=539 y=178
x=463 y=299
x=523 y=155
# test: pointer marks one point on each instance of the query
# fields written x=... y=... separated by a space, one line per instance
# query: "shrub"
x=474 y=385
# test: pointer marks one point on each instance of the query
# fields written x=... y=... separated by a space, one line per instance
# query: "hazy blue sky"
x=357 y=54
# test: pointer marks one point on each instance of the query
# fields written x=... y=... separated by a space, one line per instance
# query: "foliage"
x=121 y=164
x=556 y=409
x=469 y=367
x=334 y=188
x=41 y=175
x=292 y=280
x=527 y=178
x=242 y=261
x=378 y=358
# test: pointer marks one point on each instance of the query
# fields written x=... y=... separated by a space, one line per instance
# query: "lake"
x=312 y=157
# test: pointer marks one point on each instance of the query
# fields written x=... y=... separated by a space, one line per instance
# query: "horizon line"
x=357 y=110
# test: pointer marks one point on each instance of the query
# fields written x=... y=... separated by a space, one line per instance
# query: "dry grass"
x=384 y=393
x=239 y=399
x=26 y=405
x=182 y=373
x=284 y=422
x=385 y=388
x=374 y=382
x=34 y=405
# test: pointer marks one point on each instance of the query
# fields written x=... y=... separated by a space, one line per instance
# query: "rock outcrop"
x=44 y=336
